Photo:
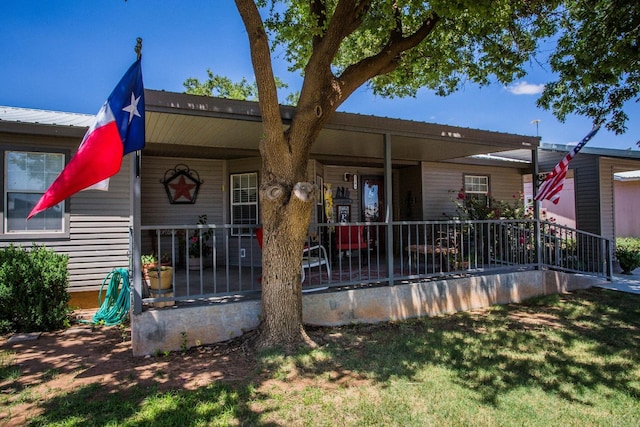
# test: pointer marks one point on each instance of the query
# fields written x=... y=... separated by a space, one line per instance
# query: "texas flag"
x=118 y=130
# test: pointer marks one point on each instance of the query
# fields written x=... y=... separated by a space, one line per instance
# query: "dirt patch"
x=59 y=362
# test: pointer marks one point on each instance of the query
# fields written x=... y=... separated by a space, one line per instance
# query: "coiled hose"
x=114 y=308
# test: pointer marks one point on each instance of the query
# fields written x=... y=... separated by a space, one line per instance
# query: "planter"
x=159 y=280
x=194 y=263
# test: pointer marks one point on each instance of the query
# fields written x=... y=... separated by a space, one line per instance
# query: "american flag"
x=552 y=185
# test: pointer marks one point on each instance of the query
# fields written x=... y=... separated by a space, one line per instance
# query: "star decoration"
x=182 y=189
x=132 y=108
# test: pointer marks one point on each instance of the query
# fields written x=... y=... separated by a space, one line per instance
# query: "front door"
x=373 y=208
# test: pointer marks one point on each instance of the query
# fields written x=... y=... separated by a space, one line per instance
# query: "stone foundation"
x=172 y=328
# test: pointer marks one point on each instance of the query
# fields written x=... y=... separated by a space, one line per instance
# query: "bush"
x=628 y=253
x=33 y=289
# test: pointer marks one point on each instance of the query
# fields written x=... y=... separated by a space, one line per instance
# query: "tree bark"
x=286 y=200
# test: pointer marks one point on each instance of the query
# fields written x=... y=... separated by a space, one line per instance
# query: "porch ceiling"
x=180 y=125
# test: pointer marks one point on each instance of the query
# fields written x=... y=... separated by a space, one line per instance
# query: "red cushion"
x=259 y=236
x=351 y=237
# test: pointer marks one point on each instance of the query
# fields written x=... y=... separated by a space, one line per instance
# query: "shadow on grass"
x=563 y=345
x=216 y=404
x=559 y=344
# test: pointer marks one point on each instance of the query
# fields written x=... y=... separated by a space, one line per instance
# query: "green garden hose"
x=114 y=308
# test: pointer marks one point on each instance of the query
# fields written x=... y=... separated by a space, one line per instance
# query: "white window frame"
x=63 y=231
x=471 y=188
x=251 y=200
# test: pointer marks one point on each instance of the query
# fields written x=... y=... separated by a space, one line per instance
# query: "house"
x=627 y=203
x=395 y=179
x=601 y=192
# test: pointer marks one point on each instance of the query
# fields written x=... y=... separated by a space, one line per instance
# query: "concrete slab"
x=624 y=282
x=29 y=336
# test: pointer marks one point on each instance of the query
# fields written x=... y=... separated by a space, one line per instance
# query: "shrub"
x=33 y=289
x=628 y=253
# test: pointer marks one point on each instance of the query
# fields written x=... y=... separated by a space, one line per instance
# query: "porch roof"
x=190 y=126
x=181 y=125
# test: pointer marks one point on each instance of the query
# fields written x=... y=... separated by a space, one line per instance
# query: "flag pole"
x=136 y=262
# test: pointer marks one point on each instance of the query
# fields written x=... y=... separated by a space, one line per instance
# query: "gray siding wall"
x=587 y=189
x=442 y=181
x=156 y=208
x=99 y=221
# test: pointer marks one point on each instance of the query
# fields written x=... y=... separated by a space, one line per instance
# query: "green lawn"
x=569 y=360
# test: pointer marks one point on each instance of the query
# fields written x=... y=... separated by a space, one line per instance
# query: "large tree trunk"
x=285 y=215
x=286 y=199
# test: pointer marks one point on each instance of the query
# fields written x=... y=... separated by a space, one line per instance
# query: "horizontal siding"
x=155 y=205
x=99 y=231
x=587 y=190
x=99 y=223
x=441 y=183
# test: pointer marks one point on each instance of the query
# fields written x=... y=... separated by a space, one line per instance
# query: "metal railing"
x=224 y=262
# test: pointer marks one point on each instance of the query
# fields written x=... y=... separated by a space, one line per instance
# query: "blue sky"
x=67 y=55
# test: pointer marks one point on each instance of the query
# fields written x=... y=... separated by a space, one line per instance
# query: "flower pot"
x=194 y=263
x=162 y=279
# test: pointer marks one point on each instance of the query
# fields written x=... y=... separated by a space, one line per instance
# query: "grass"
x=569 y=360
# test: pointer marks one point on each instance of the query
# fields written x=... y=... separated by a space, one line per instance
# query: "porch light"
x=351 y=177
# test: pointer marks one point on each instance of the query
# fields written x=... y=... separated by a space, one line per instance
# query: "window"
x=244 y=202
x=28 y=175
x=477 y=187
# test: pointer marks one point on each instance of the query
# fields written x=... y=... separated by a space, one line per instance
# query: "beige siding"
x=607 y=209
x=442 y=181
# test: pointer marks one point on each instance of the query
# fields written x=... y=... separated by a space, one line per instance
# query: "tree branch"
x=261 y=60
x=387 y=59
x=319 y=10
x=345 y=20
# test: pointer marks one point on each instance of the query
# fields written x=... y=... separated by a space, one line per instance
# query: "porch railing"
x=223 y=262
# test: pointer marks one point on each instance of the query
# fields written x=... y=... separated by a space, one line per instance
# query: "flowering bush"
x=194 y=240
x=471 y=207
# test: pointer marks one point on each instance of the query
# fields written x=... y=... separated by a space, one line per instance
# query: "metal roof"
x=181 y=125
x=45 y=117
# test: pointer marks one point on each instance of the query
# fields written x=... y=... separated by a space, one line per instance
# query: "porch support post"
x=536 y=208
x=388 y=190
x=135 y=238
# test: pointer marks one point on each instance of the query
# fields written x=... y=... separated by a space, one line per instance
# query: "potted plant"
x=156 y=278
x=628 y=253
x=198 y=244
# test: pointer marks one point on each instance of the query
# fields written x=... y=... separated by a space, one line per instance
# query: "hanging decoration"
x=181 y=184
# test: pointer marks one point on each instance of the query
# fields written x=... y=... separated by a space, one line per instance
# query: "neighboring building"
x=627 y=202
x=601 y=193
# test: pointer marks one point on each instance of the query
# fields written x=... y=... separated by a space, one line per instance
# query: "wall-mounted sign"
x=181 y=184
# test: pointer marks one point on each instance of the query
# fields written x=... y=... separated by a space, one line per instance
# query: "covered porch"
x=407 y=240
